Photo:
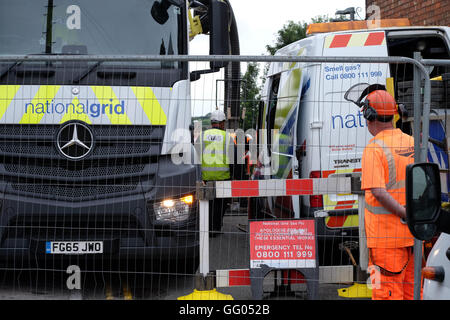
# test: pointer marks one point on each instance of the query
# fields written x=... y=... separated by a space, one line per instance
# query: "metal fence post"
x=363 y=250
x=205 y=192
x=417 y=156
x=204 y=237
x=421 y=117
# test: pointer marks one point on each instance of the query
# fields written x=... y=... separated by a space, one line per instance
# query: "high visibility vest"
x=383 y=228
x=215 y=161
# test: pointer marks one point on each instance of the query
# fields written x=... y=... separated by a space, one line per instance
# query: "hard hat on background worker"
x=248 y=138
x=217 y=116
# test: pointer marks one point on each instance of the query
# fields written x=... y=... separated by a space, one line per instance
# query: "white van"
x=319 y=134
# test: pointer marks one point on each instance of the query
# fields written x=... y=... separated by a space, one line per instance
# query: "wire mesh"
x=101 y=159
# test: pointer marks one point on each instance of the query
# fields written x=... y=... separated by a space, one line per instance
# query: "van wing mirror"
x=423 y=199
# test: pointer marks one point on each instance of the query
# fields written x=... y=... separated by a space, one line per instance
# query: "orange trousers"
x=392 y=273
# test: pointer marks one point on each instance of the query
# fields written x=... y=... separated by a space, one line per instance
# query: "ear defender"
x=377 y=103
x=369 y=113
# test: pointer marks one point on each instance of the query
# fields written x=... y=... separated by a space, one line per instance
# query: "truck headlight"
x=173 y=210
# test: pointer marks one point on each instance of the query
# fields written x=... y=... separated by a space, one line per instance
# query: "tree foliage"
x=291 y=32
x=250 y=95
x=250 y=90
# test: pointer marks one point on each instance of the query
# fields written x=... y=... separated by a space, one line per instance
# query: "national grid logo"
x=91 y=109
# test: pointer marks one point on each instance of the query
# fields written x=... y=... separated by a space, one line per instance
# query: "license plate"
x=74 y=247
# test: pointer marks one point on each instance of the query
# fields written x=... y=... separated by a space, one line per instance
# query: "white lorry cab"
x=310 y=131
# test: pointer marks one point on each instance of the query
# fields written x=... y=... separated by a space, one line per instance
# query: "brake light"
x=434 y=273
x=315 y=201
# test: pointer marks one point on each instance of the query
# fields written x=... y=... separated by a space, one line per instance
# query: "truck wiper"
x=16 y=64
x=87 y=72
x=9 y=68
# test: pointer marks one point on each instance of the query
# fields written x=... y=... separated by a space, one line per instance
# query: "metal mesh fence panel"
x=101 y=167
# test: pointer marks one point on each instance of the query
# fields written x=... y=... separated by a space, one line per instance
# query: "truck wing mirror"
x=423 y=199
x=219 y=38
x=159 y=10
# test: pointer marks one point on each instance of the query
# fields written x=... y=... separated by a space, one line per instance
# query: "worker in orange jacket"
x=247 y=159
x=384 y=162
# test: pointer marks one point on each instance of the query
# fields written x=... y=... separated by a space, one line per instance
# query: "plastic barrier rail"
x=263 y=188
x=285 y=187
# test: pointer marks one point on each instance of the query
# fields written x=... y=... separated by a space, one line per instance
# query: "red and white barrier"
x=264 y=188
x=282 y=187
x=232 y=278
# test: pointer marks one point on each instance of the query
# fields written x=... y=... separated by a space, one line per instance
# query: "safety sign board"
x=283 y=244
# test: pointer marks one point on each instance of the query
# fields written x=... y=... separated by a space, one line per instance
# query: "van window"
x=431 y=46
x=273 y=98
x=430 y=43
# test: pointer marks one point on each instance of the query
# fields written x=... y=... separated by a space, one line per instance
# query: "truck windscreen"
x=94 y=27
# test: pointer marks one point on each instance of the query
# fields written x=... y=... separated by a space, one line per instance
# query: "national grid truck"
x=85 y=145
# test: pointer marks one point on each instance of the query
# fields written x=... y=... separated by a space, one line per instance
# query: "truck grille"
x=94 y=226
x=124 y=160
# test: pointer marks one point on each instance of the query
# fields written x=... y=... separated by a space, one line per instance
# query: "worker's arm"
x=388 y=202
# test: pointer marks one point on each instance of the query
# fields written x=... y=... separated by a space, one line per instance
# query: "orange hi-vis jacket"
x=384 y=164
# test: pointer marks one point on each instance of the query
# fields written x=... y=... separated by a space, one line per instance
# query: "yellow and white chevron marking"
x=73 y=115
x=48 y=104
x=39 y=102
x=111 y=105
x=150 y=104
x=7 y=94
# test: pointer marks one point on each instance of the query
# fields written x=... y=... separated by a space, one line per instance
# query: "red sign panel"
x=283 y=244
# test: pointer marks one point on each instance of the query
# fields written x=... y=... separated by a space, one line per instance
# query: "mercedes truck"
x=85 y=144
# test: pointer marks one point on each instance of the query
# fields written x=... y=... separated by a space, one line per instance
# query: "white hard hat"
x=217 y=116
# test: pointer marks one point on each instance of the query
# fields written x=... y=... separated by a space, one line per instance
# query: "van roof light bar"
x=324 y=27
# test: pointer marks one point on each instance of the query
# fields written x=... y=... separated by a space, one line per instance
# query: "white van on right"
x=322 y=135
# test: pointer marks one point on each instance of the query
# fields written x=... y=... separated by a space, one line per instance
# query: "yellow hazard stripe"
x=150 y=105
x=350 y=221
x=357 y=40
x=391 y=89
x=45 y=94
x=7 y=94
x=108 y=99
x=328 y=41
x=71 y=115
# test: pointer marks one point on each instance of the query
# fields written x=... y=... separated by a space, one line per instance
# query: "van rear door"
x=344 y=133
x=285 y=135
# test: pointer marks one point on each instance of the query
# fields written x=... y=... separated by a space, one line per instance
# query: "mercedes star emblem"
x=75 y=140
